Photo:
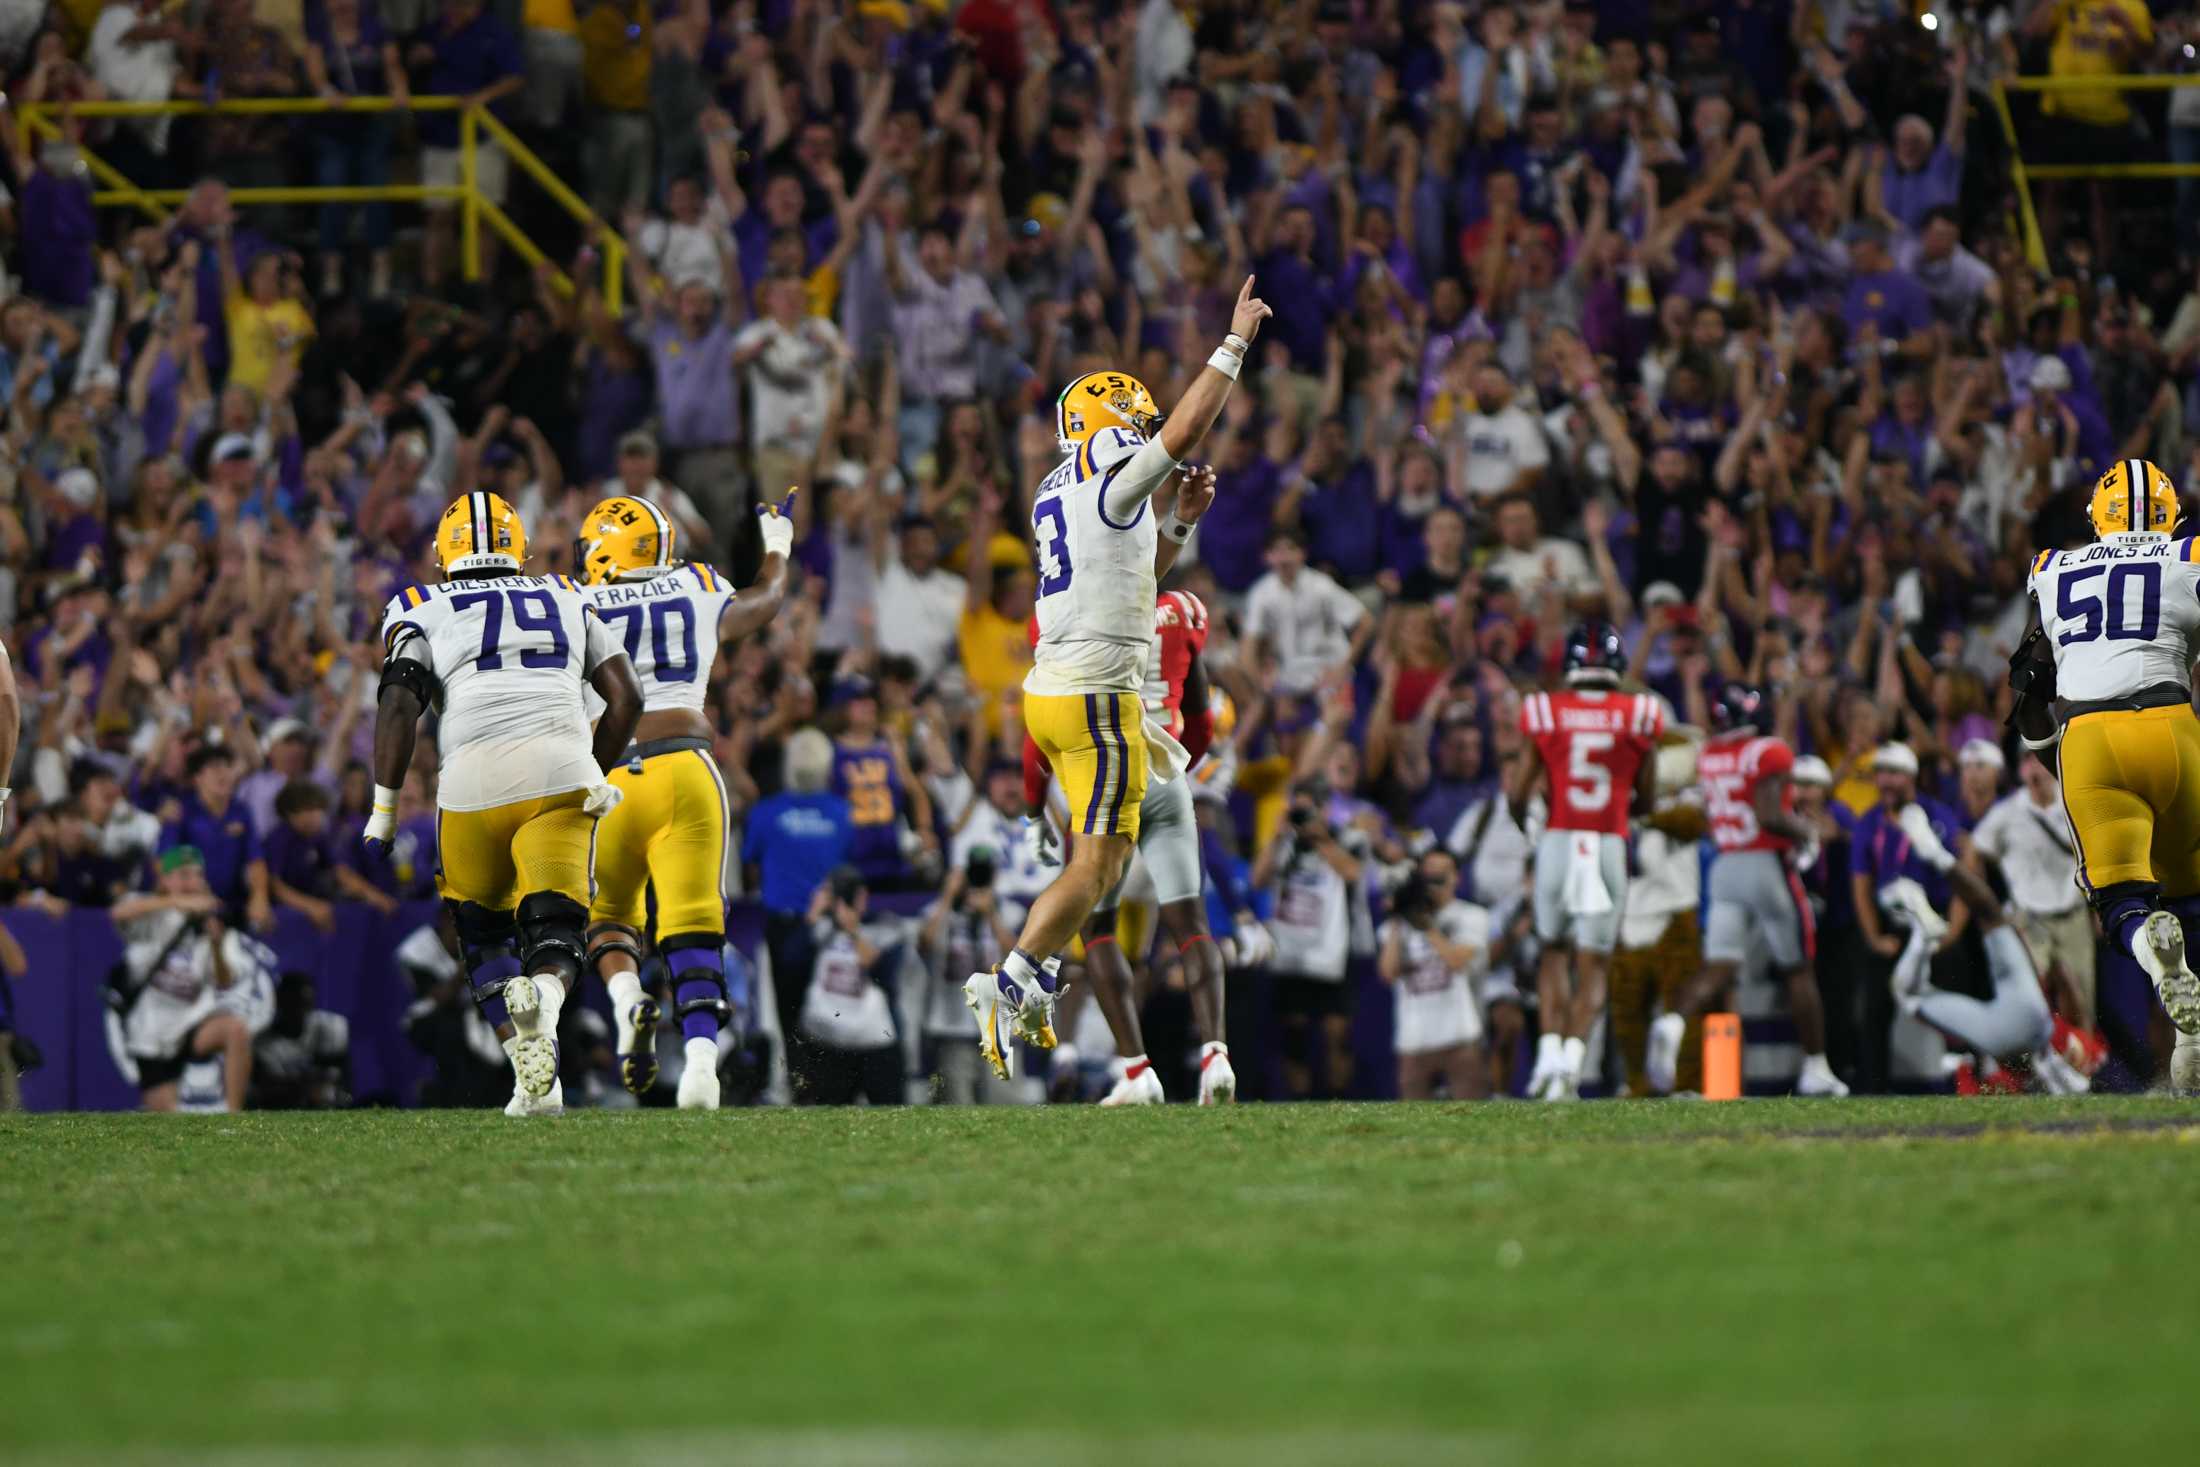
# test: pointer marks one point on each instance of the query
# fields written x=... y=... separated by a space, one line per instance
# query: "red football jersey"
x=1593 y=745
x=1731 y=767
x=1179 y=635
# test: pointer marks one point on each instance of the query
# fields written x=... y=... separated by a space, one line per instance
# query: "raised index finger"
x=1245 y=292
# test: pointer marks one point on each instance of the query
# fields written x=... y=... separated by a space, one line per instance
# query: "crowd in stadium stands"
x=1712 y=318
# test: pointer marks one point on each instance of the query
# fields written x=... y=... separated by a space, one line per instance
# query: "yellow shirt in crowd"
x=261 y=336
x=2090 y=41
x=615 y=50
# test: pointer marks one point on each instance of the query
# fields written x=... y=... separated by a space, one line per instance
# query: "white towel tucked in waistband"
x=1585 y=893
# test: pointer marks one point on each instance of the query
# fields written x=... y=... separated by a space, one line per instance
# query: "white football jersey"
x=513 y=654
x=669 y=627
x=1096 y=581
x=2122 y=614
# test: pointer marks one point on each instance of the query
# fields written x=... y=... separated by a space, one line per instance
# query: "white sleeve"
x=1131 y=481
x=1991 y=836
x=1351 y=610
x=602 y=645
x=1531 y=451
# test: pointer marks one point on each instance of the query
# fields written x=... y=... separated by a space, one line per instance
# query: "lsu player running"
x=669 y=832
x=503 y=657
x=1097 y=543
x=2107 y=670
x=1168 y=843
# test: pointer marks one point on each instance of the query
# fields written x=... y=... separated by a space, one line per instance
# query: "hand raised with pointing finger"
x=1245 y=319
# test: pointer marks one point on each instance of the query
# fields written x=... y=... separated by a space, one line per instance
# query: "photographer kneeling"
x=178 y=957
x=1431 y=950
x=847 y=1013
x=965 y=931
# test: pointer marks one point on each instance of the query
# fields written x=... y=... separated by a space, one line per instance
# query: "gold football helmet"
x=1103 y=400
x=479 y=532
x=624 y=538
x=2133 y=495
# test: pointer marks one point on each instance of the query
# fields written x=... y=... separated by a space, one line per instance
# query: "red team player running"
x=1593 y=745
x=1168 y=844
x=1757 y=899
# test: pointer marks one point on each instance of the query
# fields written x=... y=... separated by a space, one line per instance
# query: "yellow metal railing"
x=2022 y=175
x=43 y=120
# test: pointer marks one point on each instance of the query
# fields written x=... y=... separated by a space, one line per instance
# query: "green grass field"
x=1770 y=1282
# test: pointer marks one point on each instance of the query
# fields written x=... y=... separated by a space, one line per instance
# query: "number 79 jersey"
x=669 y=627
x=2122 y=614
x=1592 y=745
x=513 y=654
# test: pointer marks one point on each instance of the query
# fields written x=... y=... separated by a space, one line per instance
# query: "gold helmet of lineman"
x=2133 y=495
x=479 y=532
x=1103 y=400
x=625 y=538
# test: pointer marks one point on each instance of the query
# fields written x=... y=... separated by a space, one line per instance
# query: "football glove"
x=1040 y=841
x=1251 y=946
x=382 y=823
x=602 y=800
x=777 y=529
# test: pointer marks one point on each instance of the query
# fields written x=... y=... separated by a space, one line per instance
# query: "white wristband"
x=1176 y=529
x=385 y=798
x=1227 y=362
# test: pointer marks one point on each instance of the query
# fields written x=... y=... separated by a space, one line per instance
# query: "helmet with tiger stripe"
x=2133 y=496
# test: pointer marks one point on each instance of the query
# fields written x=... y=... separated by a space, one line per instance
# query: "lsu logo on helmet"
x=624 y=538
x=2133 y=495
x=1103 y=400
x=479 y=532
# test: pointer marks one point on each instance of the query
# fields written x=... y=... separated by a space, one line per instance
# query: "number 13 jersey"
x=1592 y=745
x=1096 y=583
x=513 y=654
x=2123 y=614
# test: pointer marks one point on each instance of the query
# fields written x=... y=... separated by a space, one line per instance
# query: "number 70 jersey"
x=669 y=627
x=2122 y=614
x=1592 y=745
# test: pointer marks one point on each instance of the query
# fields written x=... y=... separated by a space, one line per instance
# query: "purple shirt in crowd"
x=58 y=249
x=1233 y=535
x=1911 y=196
x=696 y=401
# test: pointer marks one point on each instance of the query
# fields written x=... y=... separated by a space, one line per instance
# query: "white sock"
x=1020 y=968
x=1549 y=1051
x=1214 y=1046
x=1816 y=1064
x=1573 y=1054
x=626 y=990
x=704 y=1052
x=550 y=988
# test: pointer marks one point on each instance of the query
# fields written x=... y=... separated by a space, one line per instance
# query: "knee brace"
x=551 y=929
x=697 y=963
x=2123 y=906
x=612 y=937
x=485 y=939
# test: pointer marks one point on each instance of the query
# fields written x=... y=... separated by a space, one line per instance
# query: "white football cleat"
x=2184 y=1066
x=1217 y=1081
x=1661 y=1059
x=994 y=1013
x=1818 y=1078
x=534 y=1053
x=1142 y=1087
x=699 y=1087
x=2159 y=945
x=1918 y=826
x=2057 y=1076
x=637 y=1045
x=522 y=1105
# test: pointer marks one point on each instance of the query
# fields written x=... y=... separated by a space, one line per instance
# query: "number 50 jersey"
x=668 y=625
x=2123 y=614
x=513 y=654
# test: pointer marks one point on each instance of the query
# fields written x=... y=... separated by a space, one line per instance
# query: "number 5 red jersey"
x=1179 y=635
x=1592 y=745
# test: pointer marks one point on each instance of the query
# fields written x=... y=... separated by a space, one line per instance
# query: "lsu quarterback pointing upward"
x=669 y=832
x=1097 y=541
x=503 y=657
x=2107 y=671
